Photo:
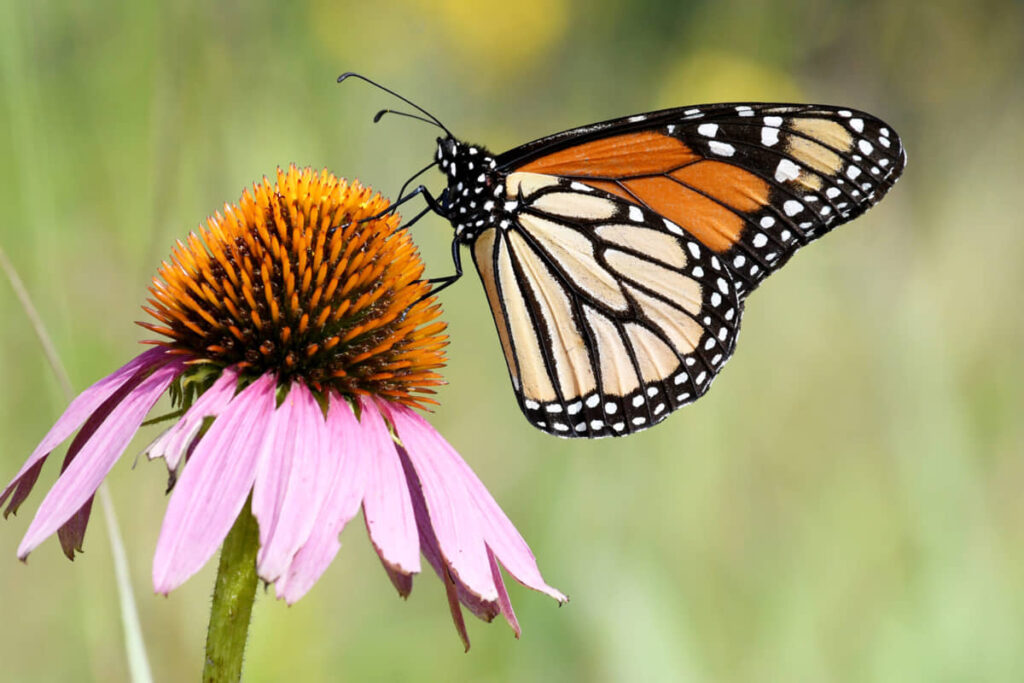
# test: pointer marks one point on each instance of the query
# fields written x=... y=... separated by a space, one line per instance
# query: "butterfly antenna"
x=382 y=112
x=352 y=74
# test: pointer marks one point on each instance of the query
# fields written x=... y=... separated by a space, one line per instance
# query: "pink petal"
x=76 y=413
x=386 y=503
x=72 y=534
x=345 y=446
x=453 y=606
x=453 y=514
x=173 y=443
x=95 y=459
x=431 y=454
x=272 y=472
x=22 y=486
x=287 y=519
x=400 y=580
x=483 y=609
x=503 y=600
x=214 y=485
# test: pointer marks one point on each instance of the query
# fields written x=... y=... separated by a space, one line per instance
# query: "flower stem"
x=233 y=595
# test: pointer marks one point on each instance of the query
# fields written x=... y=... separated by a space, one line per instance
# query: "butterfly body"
x=475 y=196
x=616 y=257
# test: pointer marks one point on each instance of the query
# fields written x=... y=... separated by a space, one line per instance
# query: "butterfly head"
x=473 y=199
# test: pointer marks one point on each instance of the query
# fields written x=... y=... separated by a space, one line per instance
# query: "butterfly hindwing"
x=610 y=316
x=752 y=182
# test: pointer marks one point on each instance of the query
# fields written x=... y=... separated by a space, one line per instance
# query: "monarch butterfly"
x=617 y=257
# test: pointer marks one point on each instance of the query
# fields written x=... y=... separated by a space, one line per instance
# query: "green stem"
x=233 y=595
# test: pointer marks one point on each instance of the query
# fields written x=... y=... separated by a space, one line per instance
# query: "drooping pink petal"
x=172 y=444
x=272 y=471
x=76 y=413
x=503 y=600
x=345 y=446
x=95 y=459
x=400 y=580
x=453 y=606
x=386 y=504
x=431 y=453
x=214 y=485
x=483 y=609
x=22 y=486
x=72 y=533
x=85 y=433
x=453 y=515
x=300 y=495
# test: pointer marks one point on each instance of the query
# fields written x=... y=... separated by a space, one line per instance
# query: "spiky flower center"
x=291 y=281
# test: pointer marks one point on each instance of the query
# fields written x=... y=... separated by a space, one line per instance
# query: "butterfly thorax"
x=474 y=198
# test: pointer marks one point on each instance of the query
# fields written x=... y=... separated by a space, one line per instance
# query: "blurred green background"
x=846 y=503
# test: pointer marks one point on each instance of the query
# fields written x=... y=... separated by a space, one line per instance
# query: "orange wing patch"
x=729 y=184
x=620 y=156
x=715 y=225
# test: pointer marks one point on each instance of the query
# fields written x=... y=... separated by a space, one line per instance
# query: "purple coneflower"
x=298 y=340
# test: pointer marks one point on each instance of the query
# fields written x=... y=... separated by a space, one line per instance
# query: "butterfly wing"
x=610 y=316
x=752 y=182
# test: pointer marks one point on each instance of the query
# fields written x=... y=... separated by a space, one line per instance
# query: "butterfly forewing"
x=610 y=316
x=752 y=182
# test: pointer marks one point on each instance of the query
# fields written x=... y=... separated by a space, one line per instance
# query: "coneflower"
x=298 y=340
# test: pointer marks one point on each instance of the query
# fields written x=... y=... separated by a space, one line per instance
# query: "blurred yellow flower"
x=718 y=76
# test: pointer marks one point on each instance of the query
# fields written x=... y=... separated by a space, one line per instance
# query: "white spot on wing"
x=708 y=130
x=673 y=228
x=786 y=170
x=722 y=149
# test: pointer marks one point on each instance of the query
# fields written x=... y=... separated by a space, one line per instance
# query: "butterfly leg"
x=432 y=205
x=448 y=280
x=401 y=192
x=412 y=221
